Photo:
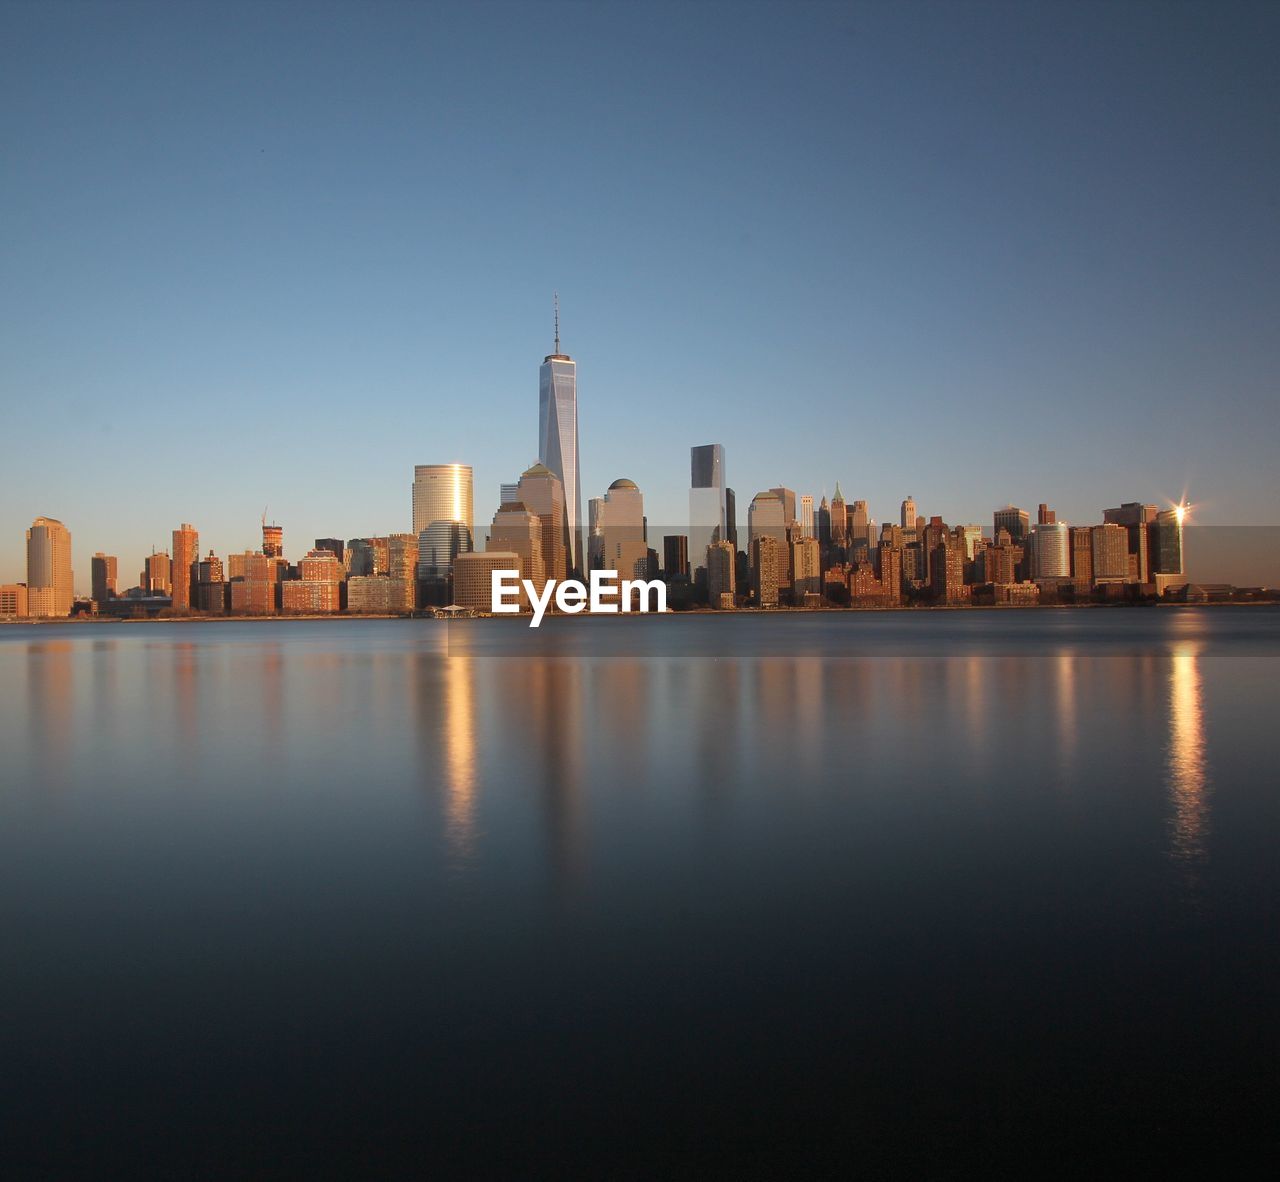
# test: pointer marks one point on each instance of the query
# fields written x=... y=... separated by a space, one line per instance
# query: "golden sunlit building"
x=473 y=576
x=186 y=554
x=13 y=600
x=50 y=586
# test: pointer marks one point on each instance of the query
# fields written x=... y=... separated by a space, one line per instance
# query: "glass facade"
x=558 y=440
x=708 y=508
x=442 y=516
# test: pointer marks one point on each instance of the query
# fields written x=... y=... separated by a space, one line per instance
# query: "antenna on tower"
x=557 y=300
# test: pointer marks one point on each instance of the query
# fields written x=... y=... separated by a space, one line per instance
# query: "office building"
x=14 y=601
x=1051 y=544
x=541 y=492
x=806 y=568
x=1166 y=550
x=675 y=556
x=558 y=438
x=839 y=518
x=473 y=576
x=708 y=499
x=765 y=518
x=788 y=498
x=186 y=553
x=105 y=569
x=807 y=524
x=1082 y=559
x=157 y=571
x=517 y=531
x=272 y=539
x=211 y=589
x=442 y=517
x=908 y=514
x=721 y=561
x=768 y=567
x=335 y=547
x=618 y=531
x=1017 y=522
x=50 y=587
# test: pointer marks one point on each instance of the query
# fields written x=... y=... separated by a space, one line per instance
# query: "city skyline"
x=977 y=253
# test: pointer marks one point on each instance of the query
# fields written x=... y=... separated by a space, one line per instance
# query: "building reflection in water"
x=1068 y=734
x=1188 y=766
x=51 y=710
x=459 y=743
x=549 y=696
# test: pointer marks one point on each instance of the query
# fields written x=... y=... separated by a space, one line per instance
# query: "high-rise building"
x=1137 y=519
x=889 y=558
x=768 y=567
x=839 y=518
x=541 y=492
x=334 y=546
x=558 y=437
x=157 y=574
x=272 y=539
x=1045 y=515
x=823 y=524
x=442 y=517
x=517 y=531
x=105 y=577
x=675 y=556
x=765 y=518
x=708 y=498
x=731 y=518
x=806 y=568
x=806 y=516
x=1016 y=521
x=186 y=554
x=50 y=587
x=908 y=514
x=721 y=563
x=211 y=592
x=618 y=529
x=1052 y=548
x=1166 y=549
x=1082 y=558
x=1110 y=544
x=788 y=498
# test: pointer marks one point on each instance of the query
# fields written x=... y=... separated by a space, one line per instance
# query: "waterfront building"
x=1082 y=559
x=947 y=572
x=1166 y=550
x=186 y=553
x=50 y=584
x=156 y=577
x=14 y=601
x=105 y=569
x=318 y=588
x=473 y=576
x=210 y=590
x=558 y=438
x=889 y=558
x=254 y=583
x=1137 y=518
x=541 y=492
x=442 y=518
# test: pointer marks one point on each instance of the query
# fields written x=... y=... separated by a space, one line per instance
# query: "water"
x=735 y=896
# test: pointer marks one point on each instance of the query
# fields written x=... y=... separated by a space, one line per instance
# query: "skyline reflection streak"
x=459 y=741
x=1187 y=761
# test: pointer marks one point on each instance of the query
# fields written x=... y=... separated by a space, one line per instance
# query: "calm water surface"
x=640 y=897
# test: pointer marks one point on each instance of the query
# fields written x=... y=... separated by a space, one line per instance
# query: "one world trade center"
x=558 y=436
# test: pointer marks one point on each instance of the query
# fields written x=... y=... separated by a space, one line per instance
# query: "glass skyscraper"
x=442 y=516
x=708 y=509
x=558 y=437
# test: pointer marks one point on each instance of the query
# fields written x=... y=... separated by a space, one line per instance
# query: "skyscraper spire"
x=557 y=301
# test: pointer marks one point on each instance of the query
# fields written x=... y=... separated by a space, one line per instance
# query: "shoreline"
x=693 y=613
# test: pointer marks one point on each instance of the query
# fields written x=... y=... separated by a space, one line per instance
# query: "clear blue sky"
x=277 y=254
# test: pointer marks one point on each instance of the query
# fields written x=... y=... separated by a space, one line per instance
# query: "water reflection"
x=1188 y=768
x=460 y=756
